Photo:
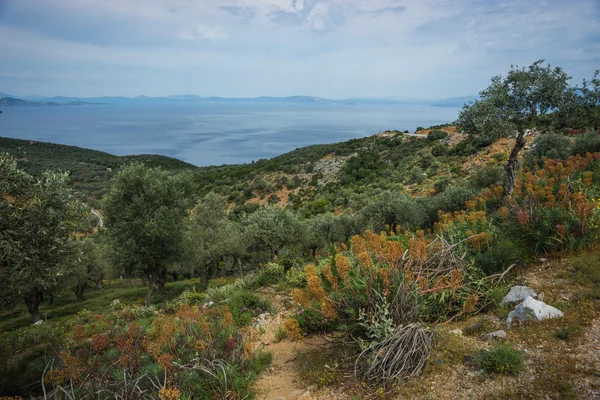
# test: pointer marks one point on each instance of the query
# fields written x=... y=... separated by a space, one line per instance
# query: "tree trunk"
x=51 y=295
x=161 y=280
x=78 y=290
x=150 y=290
x=511 y=165
x=33 y=298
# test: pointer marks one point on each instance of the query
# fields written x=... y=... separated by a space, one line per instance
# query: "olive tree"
x=512 y=104
x=273 y=229
x=38 y=217
x=84 y=263
x=209 y=237
x=144 y=214
x=391 y=210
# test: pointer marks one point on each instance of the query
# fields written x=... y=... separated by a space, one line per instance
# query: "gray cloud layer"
x=329 y=48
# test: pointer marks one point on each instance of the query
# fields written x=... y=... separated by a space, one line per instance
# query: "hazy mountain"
x=454 y=101
x=30 y=101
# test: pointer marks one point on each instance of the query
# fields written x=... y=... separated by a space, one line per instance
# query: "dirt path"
x=281 y=381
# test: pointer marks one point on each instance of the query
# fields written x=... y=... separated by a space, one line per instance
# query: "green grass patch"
x=502 y=359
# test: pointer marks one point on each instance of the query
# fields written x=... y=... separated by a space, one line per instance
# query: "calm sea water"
x=211 y=134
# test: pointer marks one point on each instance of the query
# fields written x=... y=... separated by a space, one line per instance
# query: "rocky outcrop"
x=532 y=310
x=518 y=294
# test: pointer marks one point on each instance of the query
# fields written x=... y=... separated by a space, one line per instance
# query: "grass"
x=128 y=291
x=568 y=332
x=280 y=334
x=502 y=359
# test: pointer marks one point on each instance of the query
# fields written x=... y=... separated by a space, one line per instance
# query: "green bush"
x=272 y=274
x=487 y=176
x=244 y=306
x=416 y=175
x=441 y=184
x=588 y=142
x=296 y=276
x=439 y=149
x=499 y=256
x=436 y=135
x=451 y=199
x=567 y=332
x=552 y=145
x=311 y=321
x=501 y=359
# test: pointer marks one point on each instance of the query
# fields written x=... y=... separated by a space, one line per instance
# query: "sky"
x=397 y=49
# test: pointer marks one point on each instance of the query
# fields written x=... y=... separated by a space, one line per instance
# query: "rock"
x=457 y=332
x=533 y=310
x=517 y=294
x=305 y=396
x=543 y=260
x=115 y=303
x=295 y=394
x=41 y=321
x=495 y=335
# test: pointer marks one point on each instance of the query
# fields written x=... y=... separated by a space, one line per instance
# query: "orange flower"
x=342 y=266
x=365 y=260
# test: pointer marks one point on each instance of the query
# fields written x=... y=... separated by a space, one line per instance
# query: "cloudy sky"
x=330 y=48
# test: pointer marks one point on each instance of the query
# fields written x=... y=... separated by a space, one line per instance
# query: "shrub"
x=245 y=305
x=403 y=355
x=436 y=135
x=589 y=142
x=311 y=321
x=296 y=277
x=551 y=145
x=499 y=256
x=487 y=176
x=553 y=208
x=416 y=175
x=453 y=198
x=272 y=274
x=439 y=149
x=567 y=332
x=441 y=184
x=501 y=359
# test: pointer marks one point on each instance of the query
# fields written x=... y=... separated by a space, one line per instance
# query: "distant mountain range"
x=454 y=101
x=9 y=100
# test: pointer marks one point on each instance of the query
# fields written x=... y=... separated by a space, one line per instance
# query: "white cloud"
x=204 y=32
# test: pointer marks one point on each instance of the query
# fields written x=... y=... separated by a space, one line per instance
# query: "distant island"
x=9 y=100
x=14 y=102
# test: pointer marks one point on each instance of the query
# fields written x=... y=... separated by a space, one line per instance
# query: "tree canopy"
x=38 y=217
x=145 y=211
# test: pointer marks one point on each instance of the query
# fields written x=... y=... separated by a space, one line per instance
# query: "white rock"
x=517 y=294
x=115 y=302
x=41 y=321
x=533 y=310
x=495 y=335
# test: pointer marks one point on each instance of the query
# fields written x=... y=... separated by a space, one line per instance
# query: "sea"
x=210 y=133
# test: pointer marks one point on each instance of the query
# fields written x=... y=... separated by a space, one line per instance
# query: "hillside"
x=90 y=170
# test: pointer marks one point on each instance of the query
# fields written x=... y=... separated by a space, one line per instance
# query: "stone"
x=495 y=335
x=115 y=303
x=295 y=394
x=543 y=260
x=305 y=396
x=41 y=321
x=457 y=332
x=533 y=310
x=518 y=294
